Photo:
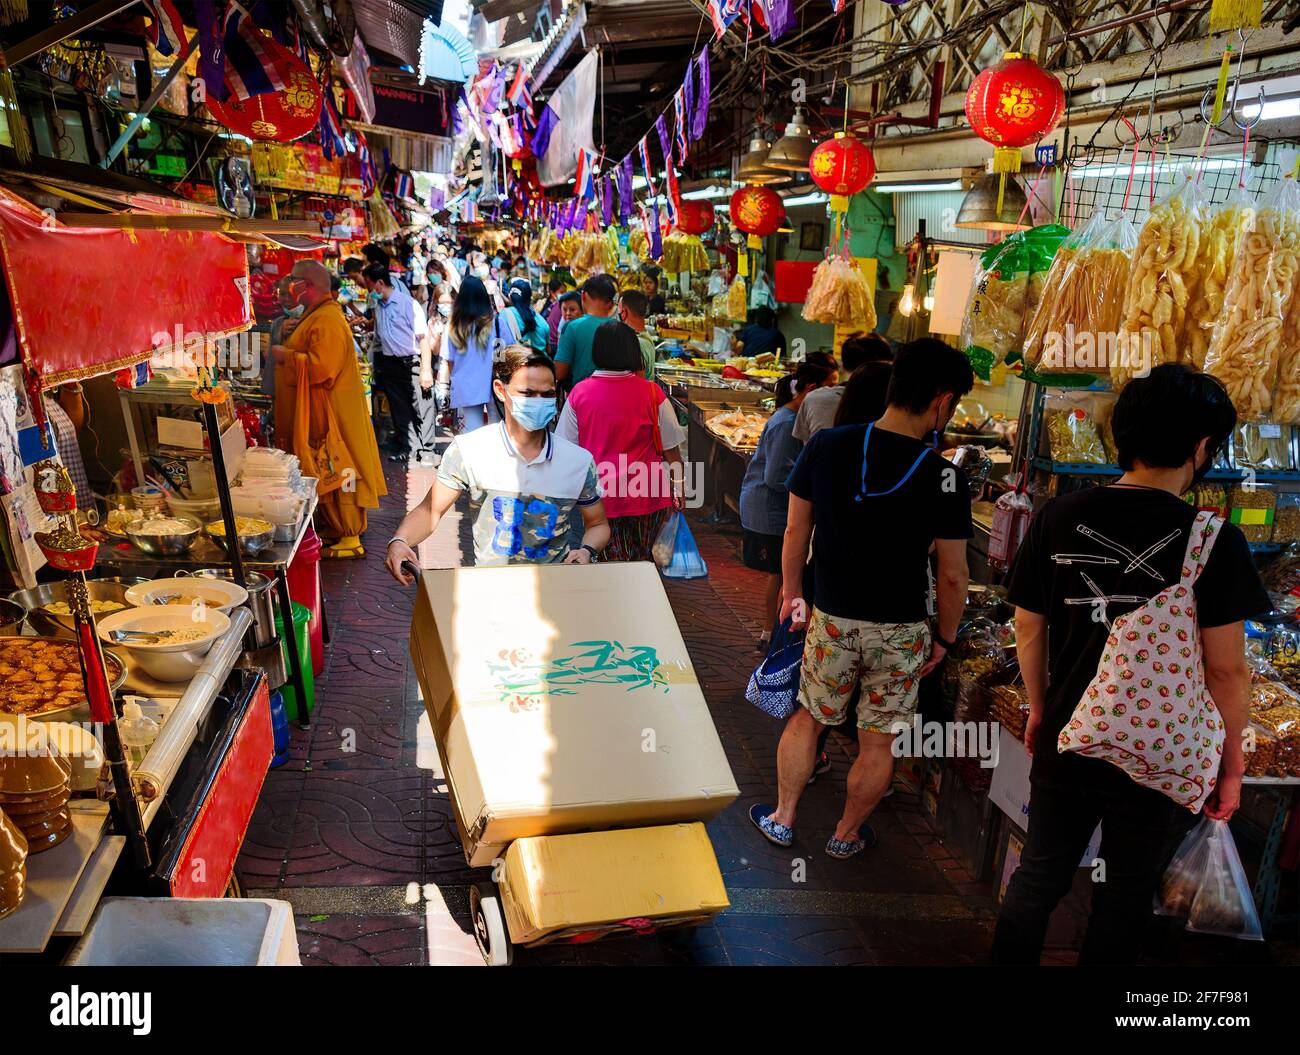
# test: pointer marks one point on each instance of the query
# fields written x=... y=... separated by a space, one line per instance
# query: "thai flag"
x=332 y=140
x=672 y=194
x=366 y=164
x=166 y=30
x=725 y=12
x=644 y=148
x=469 y=212
x=133 y=376
x=584 y=180
x=521 y=94
x=680 y=124
x=837 y=5
x=250 y=69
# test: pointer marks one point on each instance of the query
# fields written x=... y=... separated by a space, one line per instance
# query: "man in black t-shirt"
x=1088 y=559
x=879 y=497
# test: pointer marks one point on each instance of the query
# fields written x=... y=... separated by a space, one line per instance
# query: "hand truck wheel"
x=490 y=925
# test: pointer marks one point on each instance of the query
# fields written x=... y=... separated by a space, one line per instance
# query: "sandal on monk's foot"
x=345 y=549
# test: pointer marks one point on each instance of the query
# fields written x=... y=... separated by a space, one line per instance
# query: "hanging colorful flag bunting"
x=654 y=236
x=521 y=94
x=606 y=201
x=673 y=195
x=724 y=13
x=584 y=180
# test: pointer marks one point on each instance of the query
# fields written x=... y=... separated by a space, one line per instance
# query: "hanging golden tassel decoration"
x=19 y=138
x=12 y=11
x=1235 y=14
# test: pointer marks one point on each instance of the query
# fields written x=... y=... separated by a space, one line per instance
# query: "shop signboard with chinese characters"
x=558 y=706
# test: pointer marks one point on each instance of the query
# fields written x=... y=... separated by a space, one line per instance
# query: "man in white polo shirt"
x=528 y=489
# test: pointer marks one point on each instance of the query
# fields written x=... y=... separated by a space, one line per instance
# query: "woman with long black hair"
x=532 y=327
x=475 y=334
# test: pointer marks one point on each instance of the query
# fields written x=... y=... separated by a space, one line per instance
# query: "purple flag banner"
x=780 y=16
x=661 y=127
x=625 y=189
x=212 y=53
x=606 y=201
x=688 y=102
x=545 y=126
x=700 y=119
x=656 y=239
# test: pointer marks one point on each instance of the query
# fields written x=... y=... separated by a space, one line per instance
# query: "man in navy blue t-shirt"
x=878 y=497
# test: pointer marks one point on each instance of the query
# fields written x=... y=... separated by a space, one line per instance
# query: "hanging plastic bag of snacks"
x=1009 y=282
x=1155 y=312
x=1247 y=341
x=1074 y=426
x=1011 y=515
x=1075 y=325
x=839 y=294
x=1210 y=274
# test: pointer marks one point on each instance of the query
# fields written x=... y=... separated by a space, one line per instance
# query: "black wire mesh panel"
x=1099 y=179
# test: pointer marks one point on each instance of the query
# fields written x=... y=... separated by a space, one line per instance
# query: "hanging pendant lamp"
x=794 y=148
x=753 y=166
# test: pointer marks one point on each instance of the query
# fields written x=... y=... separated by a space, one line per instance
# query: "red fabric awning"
x=90 y=300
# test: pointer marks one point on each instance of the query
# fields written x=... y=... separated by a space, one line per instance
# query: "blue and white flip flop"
x=843 y=849
x=777 y=834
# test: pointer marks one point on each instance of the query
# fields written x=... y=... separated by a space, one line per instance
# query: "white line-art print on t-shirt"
x=1097 y=597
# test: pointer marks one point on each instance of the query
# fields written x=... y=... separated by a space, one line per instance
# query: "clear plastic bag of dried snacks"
x=1074 y=326
x=1261 y=445
x=1210 y=274
x=1155 y=309
x=1076 y=423
x=1248 y=339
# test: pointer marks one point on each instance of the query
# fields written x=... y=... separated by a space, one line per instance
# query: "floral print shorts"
x=840 y=655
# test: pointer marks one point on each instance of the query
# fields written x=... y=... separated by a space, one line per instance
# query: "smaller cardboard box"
x=635 y=880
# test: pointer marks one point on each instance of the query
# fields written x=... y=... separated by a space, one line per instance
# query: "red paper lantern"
x=842 y=166
x=281 y=116
x=757 y=212
x=694 y=217
x=1015 y=103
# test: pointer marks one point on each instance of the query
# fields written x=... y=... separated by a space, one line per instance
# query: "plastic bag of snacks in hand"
x=1248 y=339
x=1206 y=885
x=839 y=295
x=1009 y=283
x=1074 y=426
x=1155 y=313
x=1075 y=323
x=1210 y=273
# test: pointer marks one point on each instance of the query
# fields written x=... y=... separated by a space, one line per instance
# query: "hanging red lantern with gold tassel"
x=842 y=167
x=1012 y=105
x=695 y=216
x=756 y=212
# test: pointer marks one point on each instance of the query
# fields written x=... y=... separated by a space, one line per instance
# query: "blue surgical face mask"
x=533 y=412
x=435 y=281
x=296 y=310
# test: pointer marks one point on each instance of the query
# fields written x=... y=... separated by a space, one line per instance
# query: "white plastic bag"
x=1206 y=884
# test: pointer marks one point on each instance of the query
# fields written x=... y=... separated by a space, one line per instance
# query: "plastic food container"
x=204 y=509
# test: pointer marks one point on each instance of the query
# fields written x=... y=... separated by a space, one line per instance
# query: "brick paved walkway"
x=356 y=832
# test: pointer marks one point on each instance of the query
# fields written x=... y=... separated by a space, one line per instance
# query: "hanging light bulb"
x=929 y=300
x=907 y=302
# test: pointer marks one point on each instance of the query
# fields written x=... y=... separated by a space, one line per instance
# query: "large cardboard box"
x=563 y=700
x=579 y=887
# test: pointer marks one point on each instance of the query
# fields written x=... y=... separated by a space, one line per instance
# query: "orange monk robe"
x=323 y=341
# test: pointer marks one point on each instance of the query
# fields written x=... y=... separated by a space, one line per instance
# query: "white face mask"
x=296 y=310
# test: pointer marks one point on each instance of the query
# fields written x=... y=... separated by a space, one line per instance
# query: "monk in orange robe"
x=321 y=412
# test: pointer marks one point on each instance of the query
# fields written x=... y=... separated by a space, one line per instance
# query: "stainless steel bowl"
x=249 y=545
x=51 y=625
x=165 y=545
x=12 y=617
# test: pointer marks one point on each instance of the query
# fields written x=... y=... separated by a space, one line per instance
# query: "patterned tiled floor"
x=355 y=829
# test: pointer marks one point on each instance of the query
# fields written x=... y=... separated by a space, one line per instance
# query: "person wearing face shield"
x=1103 y=586
x=879 y=497
x=529 y=489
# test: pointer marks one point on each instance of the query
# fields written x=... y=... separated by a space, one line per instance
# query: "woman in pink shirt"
x=628 y=426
